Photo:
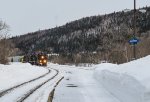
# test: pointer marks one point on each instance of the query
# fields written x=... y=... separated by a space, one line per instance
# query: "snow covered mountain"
x=106 y=34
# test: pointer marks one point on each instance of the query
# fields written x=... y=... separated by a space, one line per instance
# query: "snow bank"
x=129 y=82
x=16 y=73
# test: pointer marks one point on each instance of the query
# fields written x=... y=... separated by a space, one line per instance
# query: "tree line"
x=107 y=35
x=6 y=46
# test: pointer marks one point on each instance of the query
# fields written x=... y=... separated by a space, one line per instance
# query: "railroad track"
x=2 y=93
x=37 y=87
x=32 y=84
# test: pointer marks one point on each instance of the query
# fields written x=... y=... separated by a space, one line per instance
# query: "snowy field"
x=129 y=82
x=104 y=82
x=79 y=85
x=17 y=73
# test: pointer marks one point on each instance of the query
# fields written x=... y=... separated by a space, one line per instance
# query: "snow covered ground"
x=17 y=73
x=79 y=85
x=105 y=82
x=129 y=82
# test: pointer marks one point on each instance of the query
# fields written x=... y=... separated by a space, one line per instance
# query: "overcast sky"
x=25 y=16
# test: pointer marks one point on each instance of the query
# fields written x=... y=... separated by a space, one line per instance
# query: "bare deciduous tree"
x=5 y=44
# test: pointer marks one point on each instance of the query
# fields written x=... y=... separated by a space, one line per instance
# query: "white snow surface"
x=129 y=82
x=17 y=73
x=104 y=82
x=79 y=85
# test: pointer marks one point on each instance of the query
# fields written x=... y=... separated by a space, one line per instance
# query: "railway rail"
x=34 y=84
x=37 y=87
x=2 y=93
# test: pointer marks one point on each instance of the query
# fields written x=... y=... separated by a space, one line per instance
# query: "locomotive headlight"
x=40 y=61
x=44 y=61
x=42 y=57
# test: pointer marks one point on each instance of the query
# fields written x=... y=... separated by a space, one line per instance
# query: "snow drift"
x=129 y=82
x=17 y=73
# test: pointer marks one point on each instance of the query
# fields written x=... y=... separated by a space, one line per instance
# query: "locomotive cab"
x=36 y=59
x=42 y=59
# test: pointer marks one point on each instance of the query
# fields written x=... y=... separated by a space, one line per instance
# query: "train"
x=39 y=59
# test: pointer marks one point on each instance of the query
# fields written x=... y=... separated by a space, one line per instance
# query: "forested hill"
x=103 y=33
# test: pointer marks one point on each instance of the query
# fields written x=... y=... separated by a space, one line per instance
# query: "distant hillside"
x=106 y=35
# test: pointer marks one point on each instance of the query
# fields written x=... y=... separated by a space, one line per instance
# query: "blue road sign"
x=134 y=41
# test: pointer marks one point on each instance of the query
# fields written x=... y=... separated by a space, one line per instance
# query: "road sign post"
x=133 y=42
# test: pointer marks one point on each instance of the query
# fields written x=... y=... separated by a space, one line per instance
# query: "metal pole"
x=134 y=47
